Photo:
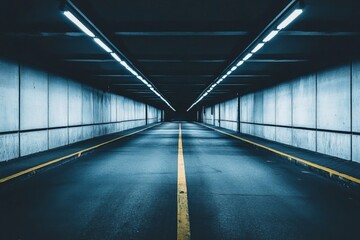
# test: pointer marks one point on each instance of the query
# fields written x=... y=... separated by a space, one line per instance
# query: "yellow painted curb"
x=76 y=154
x=330 y=171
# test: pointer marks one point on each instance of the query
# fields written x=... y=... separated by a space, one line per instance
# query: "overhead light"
x=271 y=35
x=240 y=63
x=205 y=94
x=271 y=32
x=258 y=47
x=247 y=56
x=116 y=57
x=76 y=21
x=289 y=19
x=103 y=45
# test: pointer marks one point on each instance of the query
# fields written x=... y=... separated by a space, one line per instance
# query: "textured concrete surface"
x=356 y=97
x=76 y=111
x=51 y=101
x=9 y=97
x=127 y=190
x=333 y=99
x=309 y=105
x=304 y=101
x=269 y=106
x=284 y=105
x=58 y=101
x=33 y=98
x=9 y=146
x=32 y=142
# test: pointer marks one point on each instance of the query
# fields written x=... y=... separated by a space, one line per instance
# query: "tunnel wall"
x=41 y=111
x=318 y=112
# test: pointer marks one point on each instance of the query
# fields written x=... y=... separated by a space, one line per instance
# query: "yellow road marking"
x=183 y=223
x=76 y=154
x=290 y=157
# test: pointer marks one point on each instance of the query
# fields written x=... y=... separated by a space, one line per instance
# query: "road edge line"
x=75 y=154
x=330 y=171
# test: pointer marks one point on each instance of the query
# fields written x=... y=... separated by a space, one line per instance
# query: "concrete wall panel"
x=87 y=132
x=113 y=108
x=304 y=101
x=9 y=146
x=284 y=105
x=305 y=139
x=333 y=99
x=258 y=107
x=33 y=99
x=284 y=135
x=334 y=144
x=269 y=106
x=247 y=108
x=58 y=101
x=75 y=134
x=269 y=133
x=259 y=131
x=33 y=142
x=356 y=148
x=356 y=97
x=9 y=97
x=75 y=103
x=58 y=137
x=87 y=105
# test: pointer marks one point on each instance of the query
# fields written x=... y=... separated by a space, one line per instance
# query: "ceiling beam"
x=182 y=60
x=319 y=33
x=183 y=34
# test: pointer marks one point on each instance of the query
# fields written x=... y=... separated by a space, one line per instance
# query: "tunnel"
x=205 y=119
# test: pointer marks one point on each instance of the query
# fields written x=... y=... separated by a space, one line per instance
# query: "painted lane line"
x=290 y=157
x=183 y=223
x=76 y=154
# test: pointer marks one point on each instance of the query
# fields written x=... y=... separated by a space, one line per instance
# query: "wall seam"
x=48 y=110
x=68 y=112
x=351 y=111
x=19 y=110
x=316 y=112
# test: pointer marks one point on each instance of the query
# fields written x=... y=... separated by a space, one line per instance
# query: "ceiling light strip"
x=271 y=32
x=99 y=39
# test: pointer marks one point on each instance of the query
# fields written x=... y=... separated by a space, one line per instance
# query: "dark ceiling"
x=181 y=46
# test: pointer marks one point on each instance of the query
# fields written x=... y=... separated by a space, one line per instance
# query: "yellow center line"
x=290 y=157
x=183 y=223
x=76 y=154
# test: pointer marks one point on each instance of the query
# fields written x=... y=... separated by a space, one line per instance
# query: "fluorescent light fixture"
x=124 y=64
x=249 y=55
x=233 y=68
x=76 y=21
x=214 y=85
x=240 y=63
x=258 y=47
x=103 y=45
x=116 y=57
x=205 y=94
x=289 y=19
x=98 y=41
x=228 y=73
x=271 y=35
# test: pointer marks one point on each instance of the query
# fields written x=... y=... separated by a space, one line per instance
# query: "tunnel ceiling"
x=181 y=46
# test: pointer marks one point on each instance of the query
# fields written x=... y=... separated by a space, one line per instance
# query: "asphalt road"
x=128 y=190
